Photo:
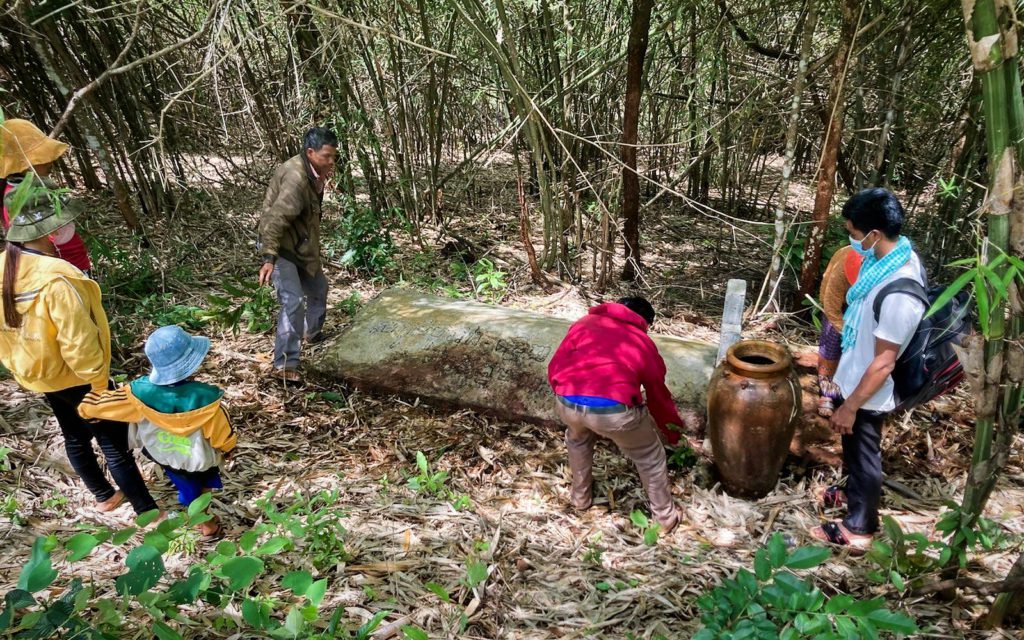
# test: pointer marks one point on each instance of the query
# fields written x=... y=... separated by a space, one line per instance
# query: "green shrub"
x=145 y=601
x=242 y=301
x=361 y=239
x=772 y=602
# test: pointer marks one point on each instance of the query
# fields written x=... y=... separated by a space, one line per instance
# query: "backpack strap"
x=906 y=286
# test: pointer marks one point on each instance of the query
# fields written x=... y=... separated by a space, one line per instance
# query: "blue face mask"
x=858 y=246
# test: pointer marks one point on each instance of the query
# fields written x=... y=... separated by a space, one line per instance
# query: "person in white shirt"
x=874 y=219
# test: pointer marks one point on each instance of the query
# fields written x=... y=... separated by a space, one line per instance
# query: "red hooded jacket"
x=608 y=354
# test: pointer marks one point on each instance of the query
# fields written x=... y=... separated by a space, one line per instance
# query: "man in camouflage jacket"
x=290 y=246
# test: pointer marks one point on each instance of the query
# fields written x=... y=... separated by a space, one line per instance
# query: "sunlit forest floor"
x=552 y=573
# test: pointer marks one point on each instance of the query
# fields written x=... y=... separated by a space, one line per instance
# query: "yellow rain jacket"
x=64 y=338
x=191 y=440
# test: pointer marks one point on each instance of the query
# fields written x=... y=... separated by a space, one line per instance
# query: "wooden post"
x=732 y=316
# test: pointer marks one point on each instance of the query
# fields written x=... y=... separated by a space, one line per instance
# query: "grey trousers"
x=303 y=309
x=636 y=435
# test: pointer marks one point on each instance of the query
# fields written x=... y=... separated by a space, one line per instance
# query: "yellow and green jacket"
x=182 y=426
x=64 y=338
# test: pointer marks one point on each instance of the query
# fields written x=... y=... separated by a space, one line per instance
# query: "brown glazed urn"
x=753 y=406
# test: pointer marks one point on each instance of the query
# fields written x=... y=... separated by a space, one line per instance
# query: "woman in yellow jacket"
x=55 y=339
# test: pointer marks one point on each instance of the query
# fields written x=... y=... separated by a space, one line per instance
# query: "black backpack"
x=928 y=367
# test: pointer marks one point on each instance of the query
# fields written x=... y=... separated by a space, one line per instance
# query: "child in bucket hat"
x=180 y=423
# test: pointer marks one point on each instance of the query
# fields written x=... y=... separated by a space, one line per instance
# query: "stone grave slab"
x=480 y=356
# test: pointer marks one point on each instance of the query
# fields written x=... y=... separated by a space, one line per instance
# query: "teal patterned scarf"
x=872 y=272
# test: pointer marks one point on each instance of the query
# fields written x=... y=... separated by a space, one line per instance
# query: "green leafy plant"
x=683 y=457
x=361 y=239
x=617 y=585
x=57 y=501
x=476 y=572
x=161 y=310
x=149 y=602
x=241 y=302
x=460 y=502
x=793 y=247
x=906 y=559
x=125 y=268
x=488 y=280
x=594 y=552
x=773 y=602
x=11 y=509
x=316 y=520
x=5 y=463
x=427 y=482
x=350 y=305
x=648 y=529
x=949 y=188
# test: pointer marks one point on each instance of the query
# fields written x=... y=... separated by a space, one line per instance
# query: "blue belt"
x=613 y=409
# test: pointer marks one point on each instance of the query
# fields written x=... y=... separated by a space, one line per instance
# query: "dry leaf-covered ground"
x=552 y=573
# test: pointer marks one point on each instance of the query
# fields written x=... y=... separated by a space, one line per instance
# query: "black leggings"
x=113 y=440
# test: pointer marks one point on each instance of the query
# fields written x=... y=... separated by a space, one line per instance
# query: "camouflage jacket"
x=290 y=220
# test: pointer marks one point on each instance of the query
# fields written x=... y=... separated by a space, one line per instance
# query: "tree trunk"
x=902 y=55
x=1008 y=606
x=636 y=49
x=832 y=139
x=775 y=275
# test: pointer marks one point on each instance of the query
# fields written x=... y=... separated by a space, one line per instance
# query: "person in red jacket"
x=597 y=375
x=25 y=150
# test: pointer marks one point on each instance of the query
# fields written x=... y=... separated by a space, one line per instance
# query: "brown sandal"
x=287 y=375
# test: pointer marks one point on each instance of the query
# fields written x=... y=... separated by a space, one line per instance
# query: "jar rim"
x=747 y=356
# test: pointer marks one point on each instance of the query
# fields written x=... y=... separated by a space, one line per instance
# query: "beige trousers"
x=636 y=435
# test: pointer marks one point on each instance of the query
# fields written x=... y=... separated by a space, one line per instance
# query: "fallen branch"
x=979 y=586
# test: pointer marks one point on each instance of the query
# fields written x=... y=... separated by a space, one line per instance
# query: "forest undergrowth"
x=351 y=515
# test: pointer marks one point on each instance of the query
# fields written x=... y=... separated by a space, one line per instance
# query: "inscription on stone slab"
x=479 y=356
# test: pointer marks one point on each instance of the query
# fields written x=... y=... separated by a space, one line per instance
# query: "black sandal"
x=834 y=535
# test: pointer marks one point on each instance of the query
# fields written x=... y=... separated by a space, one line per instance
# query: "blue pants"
x=190 y=484
x=303 y=301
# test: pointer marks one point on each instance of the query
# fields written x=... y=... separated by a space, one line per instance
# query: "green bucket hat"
x=43 y=211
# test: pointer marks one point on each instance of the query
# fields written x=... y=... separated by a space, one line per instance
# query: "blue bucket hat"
x=174 y=354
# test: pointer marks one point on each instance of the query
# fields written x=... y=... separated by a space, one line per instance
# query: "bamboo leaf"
x=414 y=633
x=964 y=262
x=1008 y=278
x=954 y=288
x=997 y=286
